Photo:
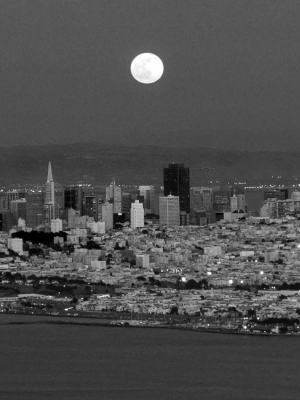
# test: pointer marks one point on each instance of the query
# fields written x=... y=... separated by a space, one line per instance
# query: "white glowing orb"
x=147 y=68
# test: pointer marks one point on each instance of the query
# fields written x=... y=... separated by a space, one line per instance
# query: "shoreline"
x=38 y=319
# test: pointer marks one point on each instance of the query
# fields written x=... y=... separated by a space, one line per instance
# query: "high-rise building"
x=169 y=210
x=114 y=196
x=177 y=183
x=221 y=200
x=108 y=215
x=18 y=210
x=233 y=203
x=73 y=196
x=51 y=209
x=137 y=215
x=279 y=194
x=254 y=199
x=34 y=208
x=157 y=194
x=201 y=198
x=49 y=187
x=3 y=202
x=15 y=194
x=148 y=193
x=90 y=205
x=241 y=202
x=73 y=218
x=126 y=204
x=5 y=220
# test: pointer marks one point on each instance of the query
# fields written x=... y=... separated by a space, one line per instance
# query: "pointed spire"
x=49 y=177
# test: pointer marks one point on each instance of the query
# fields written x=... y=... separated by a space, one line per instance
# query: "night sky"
x=231 y=76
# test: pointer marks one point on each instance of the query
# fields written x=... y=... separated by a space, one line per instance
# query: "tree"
x=74 y=300
x=191 y=284
x=174 y=310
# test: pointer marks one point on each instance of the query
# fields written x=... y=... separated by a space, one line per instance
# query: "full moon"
x=147 y=68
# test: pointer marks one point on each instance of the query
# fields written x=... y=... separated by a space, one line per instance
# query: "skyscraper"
x=49 y=187
x=177 y=183
x=73 y=196
x=18 y=210
x=126 y=204
x=108 y=216
x=50 y=209
x=114 y=195
x=137 y=215
x=15 y=194
x=34 y=208
x=148 y=193
x=169 y=210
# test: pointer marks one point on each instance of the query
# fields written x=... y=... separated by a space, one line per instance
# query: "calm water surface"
x=87 y=362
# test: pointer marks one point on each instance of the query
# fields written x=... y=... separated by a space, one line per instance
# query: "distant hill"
x=98 y=163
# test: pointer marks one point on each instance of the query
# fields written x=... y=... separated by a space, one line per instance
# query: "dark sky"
x=231 y=75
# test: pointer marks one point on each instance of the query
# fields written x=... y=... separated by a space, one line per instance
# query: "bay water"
x=46 y=361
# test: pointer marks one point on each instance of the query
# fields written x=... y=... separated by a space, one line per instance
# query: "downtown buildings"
x=177 y=183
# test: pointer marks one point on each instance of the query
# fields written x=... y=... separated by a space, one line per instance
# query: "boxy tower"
x=177 y=183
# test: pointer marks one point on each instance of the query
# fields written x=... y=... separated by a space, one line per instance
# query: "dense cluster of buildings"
x=193 y=250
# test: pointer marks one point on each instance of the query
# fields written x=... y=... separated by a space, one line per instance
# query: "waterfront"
x=89 y=362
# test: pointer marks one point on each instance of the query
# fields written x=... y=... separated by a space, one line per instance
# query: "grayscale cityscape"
x=149 y=199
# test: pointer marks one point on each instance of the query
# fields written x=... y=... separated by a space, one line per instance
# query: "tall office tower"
x=114 y=196
x=126 y=204
x=207 y=197
x=169 y=210
x=92 y=204
x=5 y=220
x=49 y=187
x=177 y=183
x=233 y=203
x=73 y=218
x=108 y=215
x=18 y=210
x=201 y=203
x=51 y=210
x=221 y=201
x=196 y=202
x=89 y=206
x=15 y=194
x=241 y=202
x=3 y=202
x=73 y=196
x=254 y=199
x=148 y=193
x=34 y=209
x=157 y=194
x=137 y=215
x=59 y=195
x=279 y=194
